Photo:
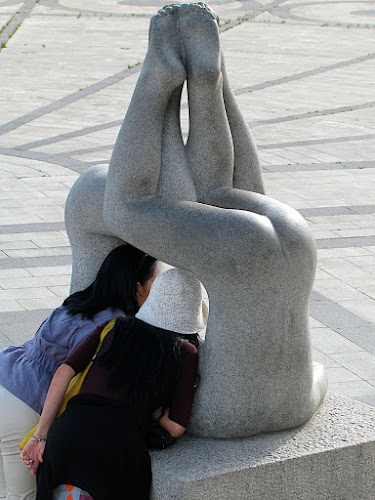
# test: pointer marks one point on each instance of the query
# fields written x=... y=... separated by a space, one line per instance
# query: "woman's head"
x=124 y=272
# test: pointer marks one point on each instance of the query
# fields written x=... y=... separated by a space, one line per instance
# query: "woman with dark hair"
x=142 y=370
x=119 y=284
x=120 y=288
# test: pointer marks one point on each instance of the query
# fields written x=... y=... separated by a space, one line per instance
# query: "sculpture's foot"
x=210 y=11
x=200 y=42
x=163 y=61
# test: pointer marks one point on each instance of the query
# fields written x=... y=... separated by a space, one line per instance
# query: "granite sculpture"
x=201 y=207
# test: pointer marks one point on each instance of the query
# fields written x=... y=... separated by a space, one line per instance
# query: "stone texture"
x=90 y=239
x=255 y=256
x=331 y=457
x=256 y=360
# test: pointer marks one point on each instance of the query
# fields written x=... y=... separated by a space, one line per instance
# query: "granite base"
x=332 y=457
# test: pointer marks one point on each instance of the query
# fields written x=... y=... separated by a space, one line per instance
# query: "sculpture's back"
x=257 y=373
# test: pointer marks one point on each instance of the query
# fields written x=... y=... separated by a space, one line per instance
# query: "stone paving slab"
x=303 y=73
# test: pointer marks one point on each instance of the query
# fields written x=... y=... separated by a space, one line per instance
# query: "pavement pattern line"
x=252 y=14
x=348 y=324
x=311 y=142
x=69 y=99
x=58 y=159
x=306 y=167
x=16 y=21
x=304 y=74
x=70 y=135
x=345 y=242
x=343 y=210
x=23 y=262
x=312 y=114
x=33 y=227
x=285 y=11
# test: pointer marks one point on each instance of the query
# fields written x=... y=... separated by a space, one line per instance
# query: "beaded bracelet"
x=39 y=439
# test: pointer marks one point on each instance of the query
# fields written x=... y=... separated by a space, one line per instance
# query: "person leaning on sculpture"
x=254 y=255
x=142 y=369
x=120 y=288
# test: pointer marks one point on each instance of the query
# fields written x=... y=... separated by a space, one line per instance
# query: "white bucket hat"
x=175 y=303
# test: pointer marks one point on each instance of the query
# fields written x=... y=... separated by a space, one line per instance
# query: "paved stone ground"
x=303 y=72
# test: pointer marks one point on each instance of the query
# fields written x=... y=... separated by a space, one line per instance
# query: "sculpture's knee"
x=296 y=240
x=90 y=238
x=84 y=204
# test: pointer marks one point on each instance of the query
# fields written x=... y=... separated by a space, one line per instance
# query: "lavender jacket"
x=27 y=370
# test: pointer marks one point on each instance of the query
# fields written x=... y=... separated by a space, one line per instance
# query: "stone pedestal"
x=332 y=457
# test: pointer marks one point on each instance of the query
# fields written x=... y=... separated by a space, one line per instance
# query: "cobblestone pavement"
x=303 y=71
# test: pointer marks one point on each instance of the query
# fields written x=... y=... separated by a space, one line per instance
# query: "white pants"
x=16 y=419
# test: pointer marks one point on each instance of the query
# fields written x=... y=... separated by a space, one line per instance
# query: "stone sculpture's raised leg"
x=175 y=178
x=91 y=240
x=247 y=170
x=254 y=255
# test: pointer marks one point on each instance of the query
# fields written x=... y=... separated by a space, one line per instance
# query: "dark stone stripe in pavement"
x=17 y=20
x=312 y=114
x=345 y=210
x=337 y=318
x=70 y=135
x=364 y=12
x=78 y=166
x=306 y=167
x=32 y=227
x=23 y=316
x=48 y=261
x=350 y=241
x=312 y=142
x=69 y=99
x=286 y=12
x=93 y=149
x=304 y=74
x=254 y=12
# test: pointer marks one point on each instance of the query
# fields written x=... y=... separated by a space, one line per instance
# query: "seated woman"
x=120 y=288
x=142 y=370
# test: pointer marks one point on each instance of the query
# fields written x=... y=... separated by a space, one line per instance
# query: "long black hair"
x=146 y=359
x=115 y=285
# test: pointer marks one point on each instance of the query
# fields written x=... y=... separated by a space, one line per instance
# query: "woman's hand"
x=175 y=430
x=32 y=455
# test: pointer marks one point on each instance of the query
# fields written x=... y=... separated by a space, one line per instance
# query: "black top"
x=96 y=381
